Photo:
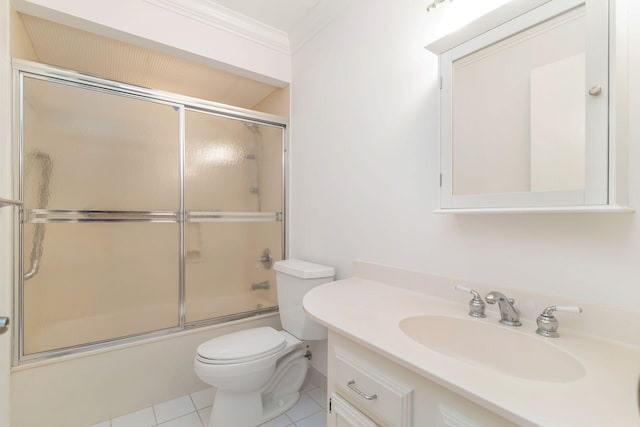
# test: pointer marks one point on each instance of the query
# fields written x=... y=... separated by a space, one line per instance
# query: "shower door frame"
x=53 y=74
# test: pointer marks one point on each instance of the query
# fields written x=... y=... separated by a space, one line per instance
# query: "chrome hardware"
x=4 y=324
x=509 y=315
x=308 y=355
x=476 y=305
x=352 y=385
x=548 y=324
x=261 y=285
x=595 y=90
x=45 y=216
x=266 y=260
x=217 y=216
x=7 y=202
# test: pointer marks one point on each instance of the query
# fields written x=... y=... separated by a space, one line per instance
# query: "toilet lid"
x=242 y=346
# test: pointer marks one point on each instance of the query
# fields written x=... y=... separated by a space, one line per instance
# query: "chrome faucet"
x=476 y=305
x=548 y=324
x=509 y=315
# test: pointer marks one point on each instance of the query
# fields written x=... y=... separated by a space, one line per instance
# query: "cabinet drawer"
x=372 y=390
x=345 y=415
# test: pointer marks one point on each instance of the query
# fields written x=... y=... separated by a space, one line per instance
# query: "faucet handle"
x=548 y=324
x=476 y=305
x=568 y=308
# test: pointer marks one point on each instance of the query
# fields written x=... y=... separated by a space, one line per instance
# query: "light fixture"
x=435 y=3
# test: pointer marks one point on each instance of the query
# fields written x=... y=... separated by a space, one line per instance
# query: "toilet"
x=258 y=372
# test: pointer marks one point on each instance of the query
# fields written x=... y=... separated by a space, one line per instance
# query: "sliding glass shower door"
x=233 y=199
x=141 y=214
x=97 y=169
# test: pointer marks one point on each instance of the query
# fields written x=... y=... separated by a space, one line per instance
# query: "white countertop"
x=369 y=312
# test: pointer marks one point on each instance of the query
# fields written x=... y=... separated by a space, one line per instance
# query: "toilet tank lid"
x=303 y=269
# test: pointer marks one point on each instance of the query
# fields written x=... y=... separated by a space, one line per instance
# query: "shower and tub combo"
x=143 y=213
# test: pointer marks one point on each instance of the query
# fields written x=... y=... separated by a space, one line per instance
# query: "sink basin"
x=495 y=347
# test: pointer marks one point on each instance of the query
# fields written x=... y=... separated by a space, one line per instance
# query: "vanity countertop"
x=369 y=313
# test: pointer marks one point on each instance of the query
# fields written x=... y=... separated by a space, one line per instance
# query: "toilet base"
x=237 y=409
x=275 y=408
x=247 y=409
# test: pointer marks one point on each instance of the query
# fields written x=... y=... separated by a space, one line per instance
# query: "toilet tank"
x=294 y=279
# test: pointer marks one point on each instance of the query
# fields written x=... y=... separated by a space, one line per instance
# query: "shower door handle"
x=4 y=324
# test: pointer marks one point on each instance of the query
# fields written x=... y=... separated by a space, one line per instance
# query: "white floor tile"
x=319 y=395
x=191 y=420
x=203 y=398
x=305 y=407
x=281 y=421
x=173 y=409
x=141 y=418
x=319 y=419
x=102 y=424
x=205 y=415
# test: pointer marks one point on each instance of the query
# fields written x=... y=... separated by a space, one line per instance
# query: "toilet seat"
x=242 y=346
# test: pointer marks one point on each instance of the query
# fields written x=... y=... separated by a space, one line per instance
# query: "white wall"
x=365 y=166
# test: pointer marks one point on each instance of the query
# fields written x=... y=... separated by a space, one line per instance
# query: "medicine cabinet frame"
x=606 y=113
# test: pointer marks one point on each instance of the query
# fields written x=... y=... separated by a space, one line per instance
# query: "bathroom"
x=361 y=96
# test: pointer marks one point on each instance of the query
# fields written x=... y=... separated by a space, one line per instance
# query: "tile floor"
x=193 y=411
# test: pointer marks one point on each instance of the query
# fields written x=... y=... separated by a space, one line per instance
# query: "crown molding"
x=228 y=20
x=314 y=21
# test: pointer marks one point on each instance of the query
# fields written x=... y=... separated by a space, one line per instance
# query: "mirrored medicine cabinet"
x=533 y=109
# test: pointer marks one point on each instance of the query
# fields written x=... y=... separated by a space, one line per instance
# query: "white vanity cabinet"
x=367 y=389
x=343 y=414
x=422 y=381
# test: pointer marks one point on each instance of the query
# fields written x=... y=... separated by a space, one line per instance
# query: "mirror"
x=525 y=108
x=519 y=111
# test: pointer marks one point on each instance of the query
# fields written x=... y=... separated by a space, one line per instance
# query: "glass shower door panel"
x=86 y=149
x=100 y=281
x=232 y=165
x=222 y=275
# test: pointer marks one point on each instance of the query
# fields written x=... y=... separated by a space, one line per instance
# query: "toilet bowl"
x=256 y=378
x=258 y=372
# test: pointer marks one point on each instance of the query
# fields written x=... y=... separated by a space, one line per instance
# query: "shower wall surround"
x=144 y=212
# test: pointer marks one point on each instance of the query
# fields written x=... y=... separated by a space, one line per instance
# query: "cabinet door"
x=524 y=111
x=342 y=414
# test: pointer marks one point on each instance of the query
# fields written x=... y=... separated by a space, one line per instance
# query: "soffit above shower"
x=246 y=38
x=71 y=48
